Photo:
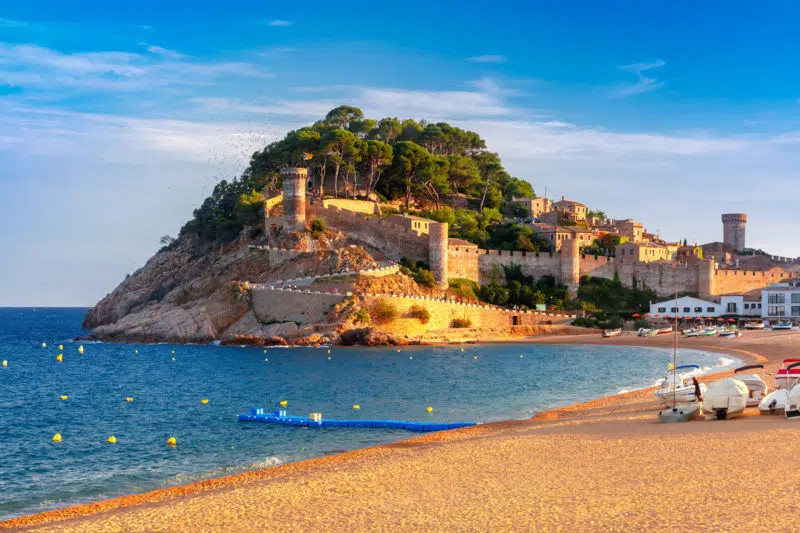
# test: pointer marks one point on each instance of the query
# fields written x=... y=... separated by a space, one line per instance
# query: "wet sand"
x=605 y=465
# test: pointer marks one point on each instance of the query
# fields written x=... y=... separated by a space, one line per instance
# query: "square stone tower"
x=733 y=226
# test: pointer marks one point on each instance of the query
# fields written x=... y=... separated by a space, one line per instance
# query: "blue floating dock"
x=280 y=417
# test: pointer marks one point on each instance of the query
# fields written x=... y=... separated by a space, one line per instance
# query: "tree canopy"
x=399 y=159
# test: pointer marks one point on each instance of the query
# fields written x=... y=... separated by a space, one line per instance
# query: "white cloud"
x=165 y=52
x=643 y=83
x=489 y=58
x=430 y=104
x=279 y=23
x=35 y=67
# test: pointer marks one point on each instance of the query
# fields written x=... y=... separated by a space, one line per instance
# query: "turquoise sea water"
x=37 y=475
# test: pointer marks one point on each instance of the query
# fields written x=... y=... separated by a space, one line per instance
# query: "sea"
x=471 y=382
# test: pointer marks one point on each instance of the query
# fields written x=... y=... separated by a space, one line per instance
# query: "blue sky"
x=117 y=120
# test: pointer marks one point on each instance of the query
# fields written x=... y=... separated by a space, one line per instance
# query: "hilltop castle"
x=642 y=259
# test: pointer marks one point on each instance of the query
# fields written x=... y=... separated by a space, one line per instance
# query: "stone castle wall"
x=734 y=281
x=394 y=241
x=443 y=312
x=355 y=206
x=300 y=307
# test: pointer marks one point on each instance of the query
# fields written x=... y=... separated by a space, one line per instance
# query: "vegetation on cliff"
x=397 y=159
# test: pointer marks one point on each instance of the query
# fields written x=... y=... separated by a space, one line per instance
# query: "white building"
x=781 y=300
x=686 y=306
x=748 y=304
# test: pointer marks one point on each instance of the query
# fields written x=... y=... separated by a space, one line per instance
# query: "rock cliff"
x=191 y=292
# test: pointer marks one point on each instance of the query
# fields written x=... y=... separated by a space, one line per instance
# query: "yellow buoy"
x=266 y=359
x=64 y=397
x=265 y=351
x=329 y=358
x=172 y=441
x=57 y=437
x=356 y=406
x=411 y=357
x=44 y=345
x=329 y=350
x=475 y=357
x=136 y=352
x=520 y=356
x=5 y=363
x=61 y=347
x=284 y=403
x=173 y=358
x=462 y=349
x=80 y=348
x=173 y=352
x=60 y=357
x=430 y=409
x=129 y=399
x=111 y=440
x=204 y=401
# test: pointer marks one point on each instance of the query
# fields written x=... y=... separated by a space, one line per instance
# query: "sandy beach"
x=604 y=465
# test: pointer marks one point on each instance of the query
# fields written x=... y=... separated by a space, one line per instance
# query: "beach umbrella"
x=636 y=315
x=731 y=320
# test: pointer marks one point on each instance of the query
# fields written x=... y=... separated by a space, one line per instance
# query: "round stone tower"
x=294 y=198
x=570 y=263
x=733 y=225
x=438 y=242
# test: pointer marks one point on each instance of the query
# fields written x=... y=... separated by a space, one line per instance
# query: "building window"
x=673 y=309
x=687 y=309
x=731 y=308
x=759 y=306
x=796 y=310
x=795 y=298
x=747 y=306
x=698 y=309
x=776 y=298
x=710 y=309
x=776 y=310
x=662 y=309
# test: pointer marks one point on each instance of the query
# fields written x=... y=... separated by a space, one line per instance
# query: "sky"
x=117 y=120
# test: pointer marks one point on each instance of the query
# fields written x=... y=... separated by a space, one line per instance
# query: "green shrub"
x=384 y=311
x=362 y=316
x=425 y=278
x=584 y=322
x=420 y=313
x=461 y=323
x=318 y=225
x=465 y=288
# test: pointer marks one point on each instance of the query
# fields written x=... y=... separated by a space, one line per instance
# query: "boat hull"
x=680 y=413
x=725 y=399
x=774 y=403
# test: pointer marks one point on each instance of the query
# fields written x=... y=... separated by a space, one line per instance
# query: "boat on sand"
x=725 y=399
x=678 y=386
x=612 y=332
x=755 y=383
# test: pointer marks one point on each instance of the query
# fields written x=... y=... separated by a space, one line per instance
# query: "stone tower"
x=733 y=225
x=294 y=198
x=438 y=242
x=570 y=265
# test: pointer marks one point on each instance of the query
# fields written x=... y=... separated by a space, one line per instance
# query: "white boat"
x=782 y=326
x=725 y=399
x=612 y=332
x=774 y=403
x=788 y=375
x=756 y=386
x=732 y=332
x=644 y=332
x=754 y=325
x=684 y=390
x=664 y=331
x=793 y=403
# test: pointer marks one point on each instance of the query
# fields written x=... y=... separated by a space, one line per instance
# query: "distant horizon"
x=117 y=121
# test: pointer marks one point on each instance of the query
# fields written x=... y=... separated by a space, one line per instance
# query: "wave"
x=268 y=462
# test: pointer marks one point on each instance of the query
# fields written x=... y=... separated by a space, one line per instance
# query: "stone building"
x=631 y=229
x=558 y=234
x=644 y=252
x=570 y=210
x=413 y=223
x=536 y=207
